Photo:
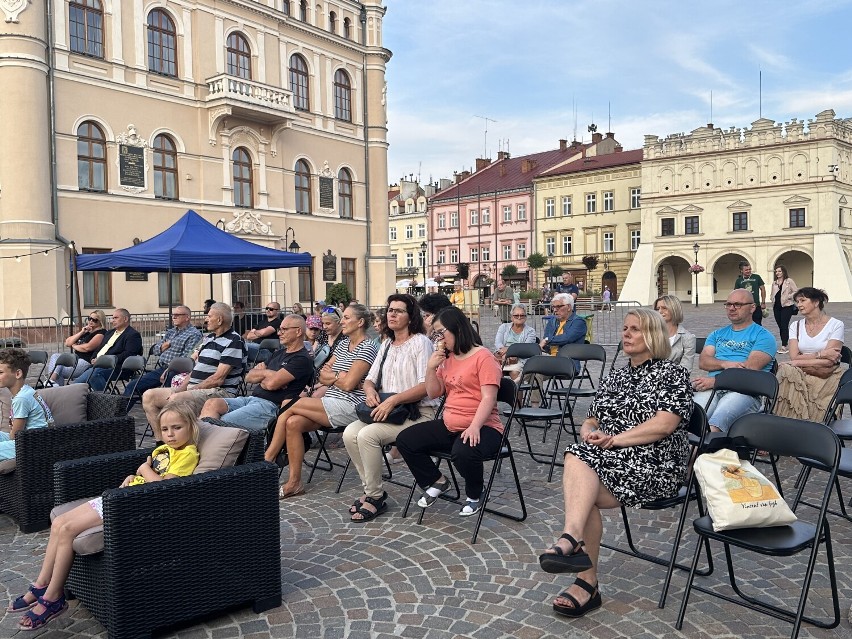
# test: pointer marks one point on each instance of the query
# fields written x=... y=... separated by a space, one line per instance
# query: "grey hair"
x=523 y=307
x=224 y=311
x=564 y=297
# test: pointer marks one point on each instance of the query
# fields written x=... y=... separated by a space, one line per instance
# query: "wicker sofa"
x=86 y=424
x=222 y=528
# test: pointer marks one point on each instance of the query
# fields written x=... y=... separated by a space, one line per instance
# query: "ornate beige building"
x=775 y=193
x=409 y=235
x=266 y=116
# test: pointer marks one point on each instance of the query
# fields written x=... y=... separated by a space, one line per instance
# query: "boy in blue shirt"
x=28 y=409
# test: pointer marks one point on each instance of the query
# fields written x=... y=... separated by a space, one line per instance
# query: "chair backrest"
x=846 y=355
x=271 y=344
x=698 y=422
x=549 y=366
x=618 y=350
x=66 y=359
x=181 y=365
x=699 y=344
x=104 y=361
x=523 y=350
x=748 y=382
x=842 y=396
x=585 y=353
x=134 y=363
x=508 y=391
x=38 y=357
x=788 y=437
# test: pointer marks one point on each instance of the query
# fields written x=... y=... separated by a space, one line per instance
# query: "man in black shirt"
x=265 y=328
x=282 y=378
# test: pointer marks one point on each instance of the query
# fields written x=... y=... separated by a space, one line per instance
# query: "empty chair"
x=38 y=357
x=176 y=366
x=582 y=353
x=129 y=374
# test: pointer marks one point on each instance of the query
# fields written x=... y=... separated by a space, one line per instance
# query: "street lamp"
x=696 y=271
x=423 y=262
x=292 y=247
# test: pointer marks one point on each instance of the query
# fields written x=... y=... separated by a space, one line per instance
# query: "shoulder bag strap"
x=382 y=365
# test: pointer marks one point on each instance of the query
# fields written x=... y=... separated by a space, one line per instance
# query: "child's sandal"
x=22 y=605
x=52 y=609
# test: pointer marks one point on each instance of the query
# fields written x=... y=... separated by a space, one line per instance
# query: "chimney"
x=563 y=145
x=503 y=170
x=465 y=175
x=457 y=176
x=576 y=144
x=527 y=166
x=502 y=155
x=610 y=135
x=481 y=163
x=597 y=137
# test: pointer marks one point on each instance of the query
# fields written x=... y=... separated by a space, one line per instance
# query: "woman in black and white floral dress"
x=633 y=450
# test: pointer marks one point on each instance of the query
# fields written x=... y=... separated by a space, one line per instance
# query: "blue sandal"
x=52 y=609
x=22 y=605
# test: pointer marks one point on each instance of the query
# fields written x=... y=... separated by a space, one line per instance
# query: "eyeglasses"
x=269 y=308
x=557 y=306
x=180 y=314
x=94 y=319
x=518 y=316
x=286 y=328
x=397 y=311
x=737 y=305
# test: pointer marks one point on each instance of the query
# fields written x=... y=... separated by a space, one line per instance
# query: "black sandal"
x=360 y=502
x=576 y=610
x=366 y=515
x=577 y=560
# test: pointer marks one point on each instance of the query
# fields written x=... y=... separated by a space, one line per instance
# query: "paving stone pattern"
x=394 y=578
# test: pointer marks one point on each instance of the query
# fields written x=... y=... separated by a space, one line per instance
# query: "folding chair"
x=698 y=428
x=583 y=353
x=39 y=357
x=267 y=347
x=507 y=394
x=788 y=438
x=65 y=359
x=323 y=460
x=699 y=344
x=618 y=350
x=550 y=368
x=177 y=365
x=105 y=362
x=846 y=355
x=523 y=350
x=129 y=373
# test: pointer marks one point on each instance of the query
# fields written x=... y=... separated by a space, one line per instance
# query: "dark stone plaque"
x=329 y=267
x=326 y=186
x=135 y=276
x=131 y=166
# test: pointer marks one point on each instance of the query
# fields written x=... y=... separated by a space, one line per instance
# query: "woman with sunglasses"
x=84 y=343
x=343 y=376
x=515 y=332
x=469 y=427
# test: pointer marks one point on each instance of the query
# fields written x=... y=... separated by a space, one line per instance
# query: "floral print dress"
x=629 y=397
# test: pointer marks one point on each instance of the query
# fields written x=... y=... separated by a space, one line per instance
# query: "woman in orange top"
x=469 y=428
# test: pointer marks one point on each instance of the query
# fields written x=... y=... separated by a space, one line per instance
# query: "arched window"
x=342 y=96
x=91 y=158
x=299 y=83
x=303 y=10
x=344 y=193
x=165 y=168
x=86 y=27
x=239 y=56
x=332 y=21
x=242 y=178
x=347 y=28
x=303 y=188
x=162 y=44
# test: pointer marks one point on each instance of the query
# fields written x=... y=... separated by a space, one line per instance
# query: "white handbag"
x=737 y=494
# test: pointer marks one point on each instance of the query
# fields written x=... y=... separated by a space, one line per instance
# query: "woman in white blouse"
x=400 y=368
x=807 y=382
x=515 y=332
x=681 y=340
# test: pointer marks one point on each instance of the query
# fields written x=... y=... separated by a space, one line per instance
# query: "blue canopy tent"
x=191 y=245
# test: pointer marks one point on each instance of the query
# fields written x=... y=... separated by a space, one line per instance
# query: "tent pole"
x=311 y=277
x=169 y=293
x=74 y=303
x=211 y=286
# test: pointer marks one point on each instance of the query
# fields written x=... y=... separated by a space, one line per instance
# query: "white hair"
x=564 y=297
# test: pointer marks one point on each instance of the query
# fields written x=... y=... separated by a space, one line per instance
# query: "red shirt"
x=463 y=381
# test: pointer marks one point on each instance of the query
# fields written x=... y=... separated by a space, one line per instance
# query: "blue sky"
x=523 y=63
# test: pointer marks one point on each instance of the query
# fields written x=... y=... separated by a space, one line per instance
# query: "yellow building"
x=268 y=117
x=408 y=229
x=775 y=193
x=589 y=206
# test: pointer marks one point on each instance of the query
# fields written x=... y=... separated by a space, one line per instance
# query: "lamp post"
x=695 y=271
x=293 y=246
x=423 y=262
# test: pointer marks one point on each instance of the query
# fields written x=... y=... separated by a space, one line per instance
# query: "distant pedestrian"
x=605 y=300
x=783 y=304
x=754 y=284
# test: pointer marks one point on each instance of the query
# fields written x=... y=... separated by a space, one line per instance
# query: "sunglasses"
x=332 y=310
x=94 y=319
x=269 y=308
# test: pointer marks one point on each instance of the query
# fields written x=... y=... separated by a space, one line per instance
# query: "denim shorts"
x=253 y=413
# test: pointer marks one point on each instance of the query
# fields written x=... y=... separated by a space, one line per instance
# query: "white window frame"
x=393 y=234
x=486 y=253
x=566 y=205
x=635 y=198
x=522 y=212
x=454 y=219
x=474 y=254
x=567 y=245
x=507 y=213
x=421 y=230
x=442 y=256
x=507 y=251
x=635 y=239
x=608 y=201
x=549 y=207
x=454 y=256
x=409 y=260
x=591 y=202
x=549 y=246
x=522 y=250
x=442 y=220
x=486 y=216
x=609 y=242
x=409 y=232
x=473 y=216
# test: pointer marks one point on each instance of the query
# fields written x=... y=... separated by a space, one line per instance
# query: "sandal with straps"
x=22 y=605
x=577 y=560
x=360 y=502
x=577 y=610
x=366 y=515
x=52 y=609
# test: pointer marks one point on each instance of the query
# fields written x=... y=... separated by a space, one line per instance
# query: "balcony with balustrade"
x=249 y=99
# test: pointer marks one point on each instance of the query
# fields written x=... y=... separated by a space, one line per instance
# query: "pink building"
x=486 y=217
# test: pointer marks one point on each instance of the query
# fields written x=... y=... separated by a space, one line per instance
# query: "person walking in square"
x=755 y=285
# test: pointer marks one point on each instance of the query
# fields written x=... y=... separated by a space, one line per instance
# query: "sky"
x=652 y=65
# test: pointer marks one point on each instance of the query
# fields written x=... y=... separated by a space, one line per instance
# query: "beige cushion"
x=7 y=466
x=67 y=403
x=88 y=542
x=5 y=406
x=219 y=447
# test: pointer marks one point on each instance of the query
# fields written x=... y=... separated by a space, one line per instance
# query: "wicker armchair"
x=226 y=525
x=26 y=490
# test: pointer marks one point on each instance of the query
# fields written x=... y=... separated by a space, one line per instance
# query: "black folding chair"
x=36 y=358
x=129 y=374
x=618 y=351
x=507 y=394
x=177 y=365
x=583 y=353
x=65 y=359
x=523 y=350
x=104 y=362
x=699 y=345
x=784 y=437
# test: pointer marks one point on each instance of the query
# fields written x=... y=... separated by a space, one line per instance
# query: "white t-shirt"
x=833 y=329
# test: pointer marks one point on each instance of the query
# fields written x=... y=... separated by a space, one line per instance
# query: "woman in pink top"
x=469 y=428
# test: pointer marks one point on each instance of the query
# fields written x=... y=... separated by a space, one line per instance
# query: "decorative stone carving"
x=326 y=170
x=130 y=138
x=248 y=222
x=13 y=8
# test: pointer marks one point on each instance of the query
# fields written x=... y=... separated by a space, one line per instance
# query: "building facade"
x=774 y=193
x=590 y=207
x=408 y=229
x=266 y=117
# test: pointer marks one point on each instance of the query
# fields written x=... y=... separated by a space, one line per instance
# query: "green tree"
x=338 y=293
x=510 y=270
x=463 y=269
x=536 y=261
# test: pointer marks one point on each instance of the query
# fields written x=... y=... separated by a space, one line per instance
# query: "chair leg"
x=456 y=491
x=486 y=495
x=688 y=588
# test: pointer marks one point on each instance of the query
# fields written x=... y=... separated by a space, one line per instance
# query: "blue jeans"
x=253 y=413
x=727 y=407
x=149 y=380
x=97 y=378
x=7 y=447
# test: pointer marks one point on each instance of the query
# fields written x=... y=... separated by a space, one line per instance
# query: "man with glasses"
x=742 y=344
x=122 y=340
x=178 y=341
x=282 y=378
x=563 y=326
x=265 y=328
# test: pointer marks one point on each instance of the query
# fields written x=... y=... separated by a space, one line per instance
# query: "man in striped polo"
x=220 y=361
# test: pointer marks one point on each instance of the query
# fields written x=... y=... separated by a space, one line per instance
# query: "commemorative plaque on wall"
x=326 y=191
x=131 y=166
x=329 y=267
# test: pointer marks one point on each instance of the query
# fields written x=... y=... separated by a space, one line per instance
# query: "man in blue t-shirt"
x=743 y=344
x=28 y=409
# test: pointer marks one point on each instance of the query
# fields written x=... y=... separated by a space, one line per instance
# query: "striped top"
x=228 y=348
x=343 y=360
